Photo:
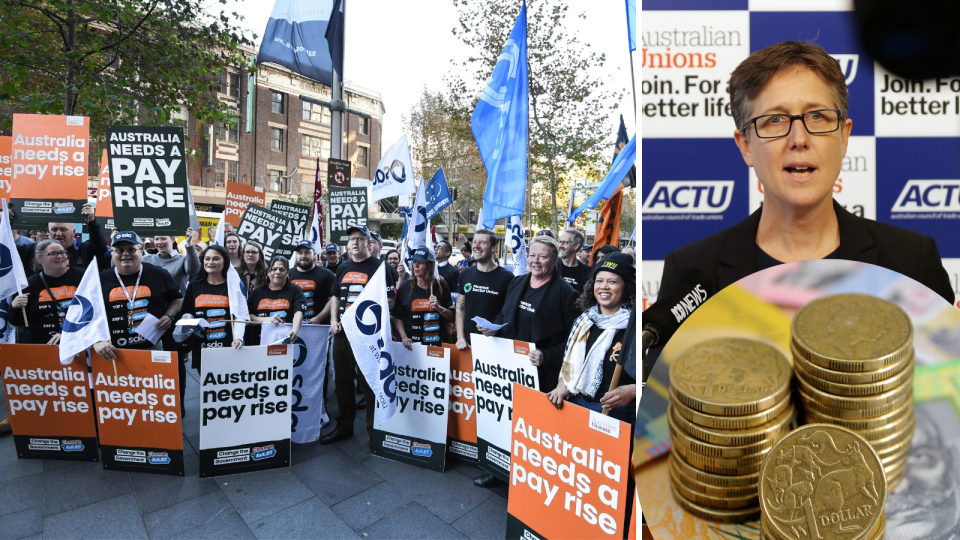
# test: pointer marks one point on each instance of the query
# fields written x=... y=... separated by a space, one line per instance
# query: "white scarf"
x=582 y=370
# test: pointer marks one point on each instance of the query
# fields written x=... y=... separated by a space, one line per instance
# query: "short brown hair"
x=753 y=74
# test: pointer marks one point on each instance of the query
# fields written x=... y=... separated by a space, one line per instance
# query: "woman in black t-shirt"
x=423 y=303
x=48 y=294
x=207 y=298
x=278 y=301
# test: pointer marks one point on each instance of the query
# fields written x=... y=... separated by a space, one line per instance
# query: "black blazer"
x=551 y=327
x=731 y=254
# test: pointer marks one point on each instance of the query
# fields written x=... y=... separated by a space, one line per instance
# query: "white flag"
x=86 y=320
x=308 y=413
x=12 y=277
x=517 y=244
x=367 y=325
x=194 y=220
x=394 y=174
x=219 y=240
x=420 y=225
x=237 y=297
x=315 y=233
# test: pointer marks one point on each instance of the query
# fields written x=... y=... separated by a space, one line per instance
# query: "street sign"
x=338 y=173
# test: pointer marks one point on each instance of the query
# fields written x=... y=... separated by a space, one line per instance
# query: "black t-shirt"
x=333 y=267
x=765 y=261
x=528 y=311
x=576 y=276
x=609 y=362
x=484 y=293
x=157 y=289
x=264 y=302
x=421 y=323
x=451 y=274
x=316 y=284
x=205 y=301
x=352 y=277
x=44 y=313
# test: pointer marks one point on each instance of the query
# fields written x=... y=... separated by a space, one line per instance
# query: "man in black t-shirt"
x=448 y=272
x=573 y=271
x=315 y=281
x=332 y=253
x=352 y=276
x=483 y=287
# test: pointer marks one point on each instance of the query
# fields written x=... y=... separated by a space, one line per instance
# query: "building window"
x=364 y=126
x=316 y=113
x=276 y=139
x=276 y=181
x=276 y=102
x=227 y=171
x=361 y=156
x=228 y=132
x=230 y=84
x=315 y=147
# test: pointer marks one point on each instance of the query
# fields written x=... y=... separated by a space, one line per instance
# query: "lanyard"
x=136 y=288
x=53 y=299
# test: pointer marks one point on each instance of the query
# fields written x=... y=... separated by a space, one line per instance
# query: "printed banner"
x=348 y=208
x=244 y=404
x=568 y=476
x=266 y=228
x=104 y=208
x=497 y=364
x=50 y=409
x=238 y=197
x=297 y=214
x=417 y=433
x=49 y=155
x=6 y=168
x=148 y=179
x=462 y=430
x=138 y=412
x=308 y=412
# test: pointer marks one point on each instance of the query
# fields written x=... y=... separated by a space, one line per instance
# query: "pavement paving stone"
x=413 y=522
x=334 y=476
x=259 y=494
x=226 y=526
x=309 y=519
x=80 y=485
x=21 y=524
x=485 y=522
x=157 y=491
x=192 y=391
x=21 y=494
x=188 y=449
x=358 y=446
x=370 y=506
x=112 y=518
x=304 y=452
x=187 y=515
x=191 y=418
x=11 y=466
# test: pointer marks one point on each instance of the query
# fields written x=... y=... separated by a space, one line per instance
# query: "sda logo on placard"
x=926 y=197
x=688 y=197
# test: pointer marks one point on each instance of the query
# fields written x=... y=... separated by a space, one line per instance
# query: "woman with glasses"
x=789 y=103
x=47 y=295
x=253 y=270
x=277 y=301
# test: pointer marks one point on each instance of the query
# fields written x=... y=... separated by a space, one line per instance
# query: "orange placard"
x=462 y=430
x=104 y=210
x=238 y=196
x=50 y=409
x=138 y=412
x=49 y=158
x=568 y=471
x=6 y=166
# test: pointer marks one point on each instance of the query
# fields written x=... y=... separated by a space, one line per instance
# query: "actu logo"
x=689 y=197
x=928 y=196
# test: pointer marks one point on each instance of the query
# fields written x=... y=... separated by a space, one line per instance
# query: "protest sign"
x=307 y=412
x=138 y=411
x=245 y=409
x=497 y=364
x=49 y=404
x=238 y=197
x=297 y=214
x=148 y=179
x=267 y=228
x=462 y=431
x=49 y=157
x=207 y=220
x=348 y=208
x=104 y=209
x=6 y=167
x=417 y=433
x=338 y=173
x=568 y=472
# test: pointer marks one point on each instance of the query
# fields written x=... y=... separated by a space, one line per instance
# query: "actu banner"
x=104 y=209
x=49 y=155
x=497 y=364
x=138 y=412
x=417 y=433
x=245 y=409
x=49 y=404
x=462 y=431
x=148 y=179
x=267 y=228
x=238 y=197
x=348 y=208
x=568 y=476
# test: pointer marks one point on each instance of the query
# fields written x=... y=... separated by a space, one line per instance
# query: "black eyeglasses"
x=774 y=126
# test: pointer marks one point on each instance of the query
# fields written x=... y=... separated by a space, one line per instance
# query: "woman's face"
x=278 y=273
x=54 y=259
x=213 y=263
x=540 y=261
x=608 y=290
x=232 y=244
x=419 y=269
x=393 y=260
x=251 y=255
x=800 y=169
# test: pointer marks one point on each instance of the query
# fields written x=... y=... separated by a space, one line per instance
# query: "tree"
x=116 y=61
x=570 y=108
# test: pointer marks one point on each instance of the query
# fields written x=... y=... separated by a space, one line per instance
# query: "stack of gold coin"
x=853 y=356
x=730 y=402
x=822 y=481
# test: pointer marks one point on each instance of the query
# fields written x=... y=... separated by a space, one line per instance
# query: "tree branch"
x=122 y=38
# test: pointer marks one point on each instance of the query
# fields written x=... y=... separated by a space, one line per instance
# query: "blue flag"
x=621 y=168
x=632 y=24
x=294 y=38
x=334 y=36
x=499 y=125
x=437 y=194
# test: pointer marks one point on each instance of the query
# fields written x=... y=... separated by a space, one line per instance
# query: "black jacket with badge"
x=555 y=316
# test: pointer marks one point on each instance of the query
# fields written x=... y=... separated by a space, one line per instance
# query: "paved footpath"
x=333 y=491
